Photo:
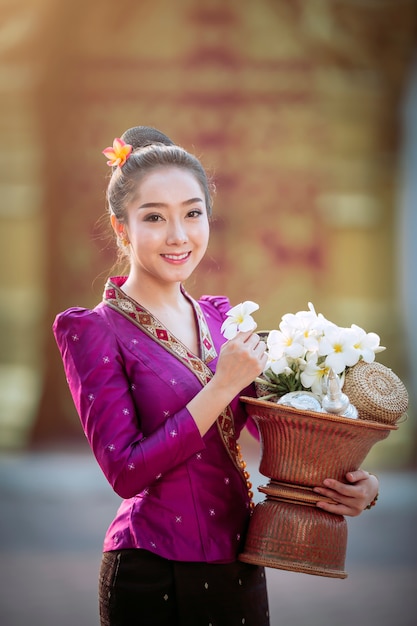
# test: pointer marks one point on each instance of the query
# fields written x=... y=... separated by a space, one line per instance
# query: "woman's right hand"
x=241 y=360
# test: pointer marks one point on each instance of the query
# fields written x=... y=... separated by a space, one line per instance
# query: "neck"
x=167 y=297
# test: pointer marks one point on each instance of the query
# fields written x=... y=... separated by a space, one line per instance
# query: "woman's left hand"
x=351 y=498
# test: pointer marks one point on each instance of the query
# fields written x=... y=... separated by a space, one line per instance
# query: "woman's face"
x=167 y=226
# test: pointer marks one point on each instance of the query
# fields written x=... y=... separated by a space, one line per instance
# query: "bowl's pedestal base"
x=287 y=531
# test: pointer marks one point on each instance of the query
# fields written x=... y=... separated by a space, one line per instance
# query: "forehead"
x=168 y=182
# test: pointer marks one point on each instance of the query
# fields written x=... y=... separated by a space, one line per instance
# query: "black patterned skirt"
x=138 y=588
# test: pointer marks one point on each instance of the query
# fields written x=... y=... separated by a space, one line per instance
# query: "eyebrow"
x=155 y=205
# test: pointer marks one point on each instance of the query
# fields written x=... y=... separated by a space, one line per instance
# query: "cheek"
x=203 y=240
x=205 y=234
x=145 y=238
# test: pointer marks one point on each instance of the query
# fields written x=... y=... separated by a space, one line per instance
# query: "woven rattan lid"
x=378 y=394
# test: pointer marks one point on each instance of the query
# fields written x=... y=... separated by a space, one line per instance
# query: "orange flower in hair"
x=118 y=153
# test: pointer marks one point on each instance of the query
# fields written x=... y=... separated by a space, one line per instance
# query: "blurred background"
x=304 y=112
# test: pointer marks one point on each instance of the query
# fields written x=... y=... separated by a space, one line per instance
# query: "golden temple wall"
x=294 y=107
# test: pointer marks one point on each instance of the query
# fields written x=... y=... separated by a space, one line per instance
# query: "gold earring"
x=124 y=240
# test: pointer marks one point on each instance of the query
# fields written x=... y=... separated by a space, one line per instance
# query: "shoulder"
x=215 y=305
x=77 y=320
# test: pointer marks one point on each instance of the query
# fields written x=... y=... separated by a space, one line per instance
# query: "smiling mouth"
x=176 y=257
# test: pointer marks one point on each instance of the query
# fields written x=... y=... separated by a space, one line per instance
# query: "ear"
x=117 y=226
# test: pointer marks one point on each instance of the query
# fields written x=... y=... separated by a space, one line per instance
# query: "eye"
x=152 y=217
x=195 y=213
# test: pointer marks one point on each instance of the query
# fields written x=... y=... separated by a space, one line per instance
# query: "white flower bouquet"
x=308 y=353
x=307 y=347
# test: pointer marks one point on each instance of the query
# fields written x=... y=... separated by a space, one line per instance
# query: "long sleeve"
x=132 y=450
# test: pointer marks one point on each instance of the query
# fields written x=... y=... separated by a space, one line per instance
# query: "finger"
x=332 y=488
x=336 y=485
x=327 y=493
x=263 y=356
x=357 y=475
x=257 y=344
x=338 y=508
x=242 y=336
x=252 y=342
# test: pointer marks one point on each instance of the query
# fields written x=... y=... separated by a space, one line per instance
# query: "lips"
x=177 y=258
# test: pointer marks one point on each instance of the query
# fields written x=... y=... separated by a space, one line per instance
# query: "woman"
x=156 y=387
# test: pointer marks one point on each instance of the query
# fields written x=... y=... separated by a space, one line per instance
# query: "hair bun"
x=141 y=136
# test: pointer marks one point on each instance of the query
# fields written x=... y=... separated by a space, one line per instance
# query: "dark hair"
x=151 y=149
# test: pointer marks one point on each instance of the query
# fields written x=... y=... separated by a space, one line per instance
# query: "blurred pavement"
x=55 y=507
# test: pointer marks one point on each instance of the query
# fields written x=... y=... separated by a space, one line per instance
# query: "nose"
x=177 y=233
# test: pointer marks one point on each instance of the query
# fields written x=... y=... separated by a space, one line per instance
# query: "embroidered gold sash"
x=115 y=298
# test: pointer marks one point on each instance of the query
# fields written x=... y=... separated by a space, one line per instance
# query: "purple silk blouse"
x=184 y=496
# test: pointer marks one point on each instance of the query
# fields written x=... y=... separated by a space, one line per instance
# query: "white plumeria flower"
x=313 y=375
x=239 y=318
x=306 y=326
x=337 y=345
x=278 y=366
x=275 y=345
x=367 y=344
x=321 y=322
x=308 y=319
x=301 y=320
x=285 y=343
